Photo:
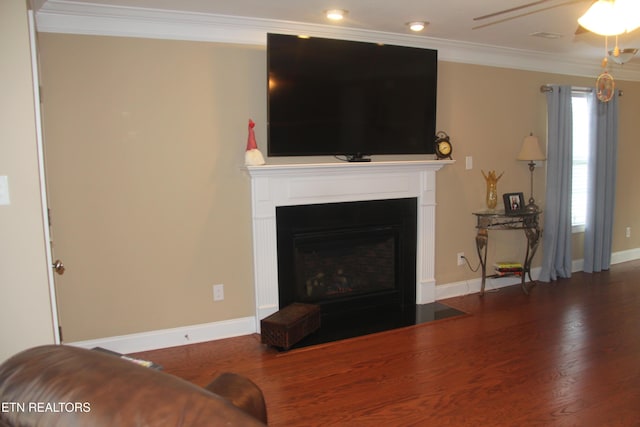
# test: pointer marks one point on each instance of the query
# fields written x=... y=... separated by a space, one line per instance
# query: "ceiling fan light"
x=602 y=18
x=623 y=55
x=629 y=12
x=612 y=17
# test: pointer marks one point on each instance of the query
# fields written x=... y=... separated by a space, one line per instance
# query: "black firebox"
x=357 y=260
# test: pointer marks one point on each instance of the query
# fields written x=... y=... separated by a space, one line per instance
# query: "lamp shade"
x=611 y=17
x=531 y=149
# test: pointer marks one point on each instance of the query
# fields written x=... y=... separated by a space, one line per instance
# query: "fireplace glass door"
x=344 y=263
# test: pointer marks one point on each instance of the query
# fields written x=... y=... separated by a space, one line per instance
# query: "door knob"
x=58 y=267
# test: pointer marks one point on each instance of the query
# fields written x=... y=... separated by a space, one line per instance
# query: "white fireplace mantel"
x=303 y=184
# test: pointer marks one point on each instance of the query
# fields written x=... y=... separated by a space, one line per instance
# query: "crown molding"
x=71 y=17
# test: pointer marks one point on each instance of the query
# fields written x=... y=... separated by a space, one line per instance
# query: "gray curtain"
x=556 y=243
x=603 y=153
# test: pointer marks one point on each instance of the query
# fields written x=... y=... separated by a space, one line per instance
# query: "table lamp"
x=531 y=152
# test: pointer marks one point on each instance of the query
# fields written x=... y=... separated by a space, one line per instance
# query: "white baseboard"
x=616 y=258
x=173 y=337
x=450 y=290
x=472 y=286
x=428 y=292
x=624 y=256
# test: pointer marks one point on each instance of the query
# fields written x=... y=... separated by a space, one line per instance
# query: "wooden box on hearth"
x=286 y=327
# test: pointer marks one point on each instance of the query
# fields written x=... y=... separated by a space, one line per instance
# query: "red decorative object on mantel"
x=253 y=156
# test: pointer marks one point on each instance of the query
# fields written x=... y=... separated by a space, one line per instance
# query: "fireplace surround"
x=273 y=186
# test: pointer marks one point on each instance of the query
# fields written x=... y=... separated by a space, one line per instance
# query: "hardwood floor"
x=566 y=355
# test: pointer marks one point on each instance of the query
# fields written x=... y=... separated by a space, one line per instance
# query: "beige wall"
x=487 y=112
x=150 y=206
x=25 y=316
x=157 y=129
x=627 y=212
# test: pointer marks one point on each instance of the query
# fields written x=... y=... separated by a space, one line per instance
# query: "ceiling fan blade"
x=513 y=9
x=529 y=12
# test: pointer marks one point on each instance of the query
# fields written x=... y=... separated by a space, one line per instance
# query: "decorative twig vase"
x=492 y=189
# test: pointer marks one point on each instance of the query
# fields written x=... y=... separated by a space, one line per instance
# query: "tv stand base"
x=359 y=157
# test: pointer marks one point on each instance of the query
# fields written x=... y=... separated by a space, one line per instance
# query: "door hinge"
x=49 y=216
x=60 y=333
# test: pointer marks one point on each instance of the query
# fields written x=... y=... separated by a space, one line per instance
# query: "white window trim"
x=578 y=228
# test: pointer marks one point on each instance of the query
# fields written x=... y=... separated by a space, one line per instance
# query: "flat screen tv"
x=346 y=98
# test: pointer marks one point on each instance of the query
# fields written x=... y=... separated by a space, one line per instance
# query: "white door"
x=57 y=266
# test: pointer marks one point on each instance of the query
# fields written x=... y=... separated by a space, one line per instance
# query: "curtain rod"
x=548 y=88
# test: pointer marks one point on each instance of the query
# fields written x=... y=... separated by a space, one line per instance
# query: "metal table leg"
x=482 y=240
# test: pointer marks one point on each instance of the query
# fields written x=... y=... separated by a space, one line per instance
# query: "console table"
x=498 y=220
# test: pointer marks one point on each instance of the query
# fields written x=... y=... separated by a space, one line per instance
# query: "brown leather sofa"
x=67 y=386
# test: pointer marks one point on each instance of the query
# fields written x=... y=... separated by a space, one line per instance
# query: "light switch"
x=4 y=190
x=469 y=162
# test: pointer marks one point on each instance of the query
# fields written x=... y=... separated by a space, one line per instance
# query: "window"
x=580 y=107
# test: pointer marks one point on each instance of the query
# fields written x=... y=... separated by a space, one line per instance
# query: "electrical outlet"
x=460 y=258
x=628 y=232
x=218 y=292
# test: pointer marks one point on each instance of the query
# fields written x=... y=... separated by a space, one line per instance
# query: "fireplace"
x=350 y=258
x=282 y=185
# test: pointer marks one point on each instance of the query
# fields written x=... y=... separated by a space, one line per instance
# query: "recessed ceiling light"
x=336 y=14
x=417 y=25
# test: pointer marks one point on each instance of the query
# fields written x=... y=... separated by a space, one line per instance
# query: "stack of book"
x=508 y=268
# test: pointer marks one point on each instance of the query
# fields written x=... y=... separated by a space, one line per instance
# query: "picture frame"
x=513 y=203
